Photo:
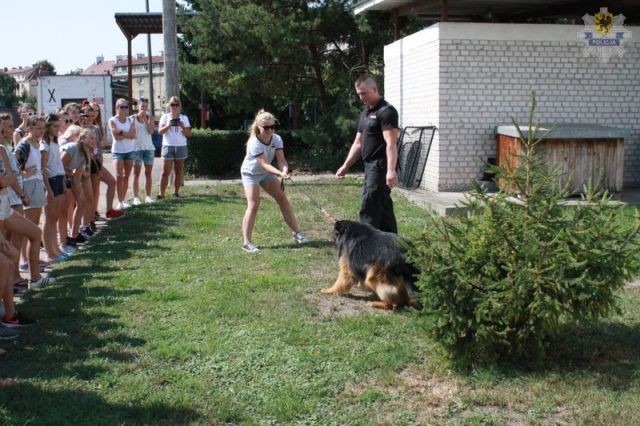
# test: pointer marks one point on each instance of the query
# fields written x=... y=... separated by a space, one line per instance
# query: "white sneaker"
x=250 y=248
x=300 y=238
x=119 y=206
x=136 y=201
x=148 y=200
x=42 y=282
x=126 y=205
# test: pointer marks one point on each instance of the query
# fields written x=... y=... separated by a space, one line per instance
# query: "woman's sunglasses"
x=124 y=107
x=175 y=105
x=272 y=127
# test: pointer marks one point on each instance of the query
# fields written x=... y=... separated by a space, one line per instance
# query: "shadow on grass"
x=77 y=340
x=80 y=407
x=606 y=354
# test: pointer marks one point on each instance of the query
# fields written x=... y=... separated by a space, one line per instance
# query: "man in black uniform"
x=376 y=143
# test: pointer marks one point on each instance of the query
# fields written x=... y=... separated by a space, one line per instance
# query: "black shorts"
x=57 y=185
x=96 y=166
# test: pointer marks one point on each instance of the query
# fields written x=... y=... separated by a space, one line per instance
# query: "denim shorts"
x=126 y=156
x=144 y=157
x=35 y=191
x=257 y=180
x=5 y=208
x=57 y=185
x=174 y=152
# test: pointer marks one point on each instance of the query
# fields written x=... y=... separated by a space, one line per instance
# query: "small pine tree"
x=499 y=282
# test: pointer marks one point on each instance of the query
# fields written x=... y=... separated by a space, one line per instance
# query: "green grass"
x=163 y=319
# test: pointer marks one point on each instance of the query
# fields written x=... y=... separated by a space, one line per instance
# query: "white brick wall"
x=466 y=78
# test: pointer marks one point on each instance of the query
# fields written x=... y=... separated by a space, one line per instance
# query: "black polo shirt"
x=372 y=121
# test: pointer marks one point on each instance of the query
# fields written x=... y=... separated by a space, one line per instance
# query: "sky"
x=68 y=33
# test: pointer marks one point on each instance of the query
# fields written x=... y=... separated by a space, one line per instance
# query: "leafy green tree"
x=8 y=85
x=45 y=66
x=503 y=280
x=246 y=54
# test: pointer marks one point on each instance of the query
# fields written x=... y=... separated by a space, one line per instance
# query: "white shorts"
x=5 y=205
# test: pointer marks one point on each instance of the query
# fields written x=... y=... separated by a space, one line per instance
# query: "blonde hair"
x=262 y=117
x=173 y=100
x=72 y=132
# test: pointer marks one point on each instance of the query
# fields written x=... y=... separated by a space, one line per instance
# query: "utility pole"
x=170 y=33
x=151 y=100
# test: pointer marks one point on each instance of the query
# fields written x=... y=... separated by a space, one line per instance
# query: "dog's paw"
x=327 y=291
x=381 y=305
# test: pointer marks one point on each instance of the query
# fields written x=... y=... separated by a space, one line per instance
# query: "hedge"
x=220 y=152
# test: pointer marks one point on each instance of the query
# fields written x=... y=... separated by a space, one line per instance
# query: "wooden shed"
x=583 y=153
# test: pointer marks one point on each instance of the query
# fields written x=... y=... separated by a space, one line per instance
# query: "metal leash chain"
x=326 y=214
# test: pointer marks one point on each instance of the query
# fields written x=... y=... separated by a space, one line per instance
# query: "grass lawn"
x=164 y=319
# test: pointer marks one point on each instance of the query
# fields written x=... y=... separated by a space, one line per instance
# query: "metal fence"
x=415 y=144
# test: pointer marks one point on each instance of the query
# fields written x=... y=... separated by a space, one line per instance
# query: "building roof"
x=501 y=10
x=104 y=67
x=19 y=70
x=157 y=59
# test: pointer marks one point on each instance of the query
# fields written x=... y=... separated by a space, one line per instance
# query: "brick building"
x=466 y=78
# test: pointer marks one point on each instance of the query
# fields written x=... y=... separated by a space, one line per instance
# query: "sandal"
x=21 y=283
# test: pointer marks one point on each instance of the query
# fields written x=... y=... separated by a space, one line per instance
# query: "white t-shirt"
x=255 y=149
x=143 y=137
x=122 y=146
x=54 y=164
x=175 y=136
x=34 y=160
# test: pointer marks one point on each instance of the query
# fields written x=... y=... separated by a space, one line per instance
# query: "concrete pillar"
x=170 y=33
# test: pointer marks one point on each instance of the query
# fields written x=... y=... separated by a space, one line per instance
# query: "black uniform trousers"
x=377 y=207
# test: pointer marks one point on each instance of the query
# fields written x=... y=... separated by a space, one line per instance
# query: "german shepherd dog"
x=374 y=260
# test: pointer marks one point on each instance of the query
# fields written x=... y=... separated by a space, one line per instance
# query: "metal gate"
x=415 y=144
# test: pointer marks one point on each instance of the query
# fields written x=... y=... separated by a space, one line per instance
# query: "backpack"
x=22 y=152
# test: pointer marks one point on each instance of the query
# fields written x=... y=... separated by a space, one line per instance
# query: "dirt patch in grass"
x=352 y=304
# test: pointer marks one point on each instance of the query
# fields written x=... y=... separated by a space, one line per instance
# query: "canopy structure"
x=134 y=24
x=546 y=11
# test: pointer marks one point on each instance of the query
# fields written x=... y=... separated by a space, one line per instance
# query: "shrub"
x=503 y=280
x=215 y=152
x=220 y=152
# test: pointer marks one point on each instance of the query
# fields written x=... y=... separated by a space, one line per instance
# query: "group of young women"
x=55 y=163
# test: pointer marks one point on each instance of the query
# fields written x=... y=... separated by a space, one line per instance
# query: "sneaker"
x=8 y=334
x=80 y=239
x=113 y=213
x=42 y=282
x=136 y=201
x=93 y=226
x=98 y=218
x=87 y=231
x=148 y=200
x=68 y=250
x=177 y=195
x=300 y=238
x=126 y=205
x=250 y=248
x=19 y=320
x=24 y=267
x=119 y=207
x=160 y=197
x=84 y=234
x=71 y=242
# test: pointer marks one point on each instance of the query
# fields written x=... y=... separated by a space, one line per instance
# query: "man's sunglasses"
x=272 y=127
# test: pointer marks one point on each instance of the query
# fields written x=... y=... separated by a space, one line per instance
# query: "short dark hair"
x=367 y=80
